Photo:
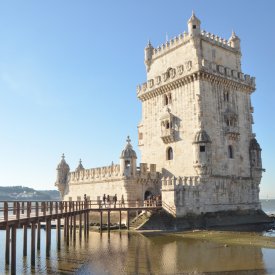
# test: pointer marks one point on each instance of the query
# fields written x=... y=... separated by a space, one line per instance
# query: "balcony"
x=233 y=132
x=167 y=135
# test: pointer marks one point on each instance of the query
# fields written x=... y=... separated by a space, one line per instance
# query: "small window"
x=170 y=98
x=202 y=148
x=194 y=26
x=230 y=152
x=140 y=136
x=166 y=100
x=169 y=153
x=127 y=163
x=167 y=125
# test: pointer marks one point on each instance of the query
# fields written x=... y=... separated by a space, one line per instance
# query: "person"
x=115 y=200
x=108 y=200
x=104 y=200
x=122 y=201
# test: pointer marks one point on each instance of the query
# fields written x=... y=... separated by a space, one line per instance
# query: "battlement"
x=110 y=172
x=173 y=43
x=215 y=39
x=184 y=38
x=95 y=174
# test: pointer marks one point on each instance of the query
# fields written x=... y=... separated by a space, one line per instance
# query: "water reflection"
x=133 y=253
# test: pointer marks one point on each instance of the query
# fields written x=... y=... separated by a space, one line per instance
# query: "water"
x=132 y=253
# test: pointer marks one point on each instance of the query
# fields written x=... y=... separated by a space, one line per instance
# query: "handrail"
x=16 y=211
x=168 y=208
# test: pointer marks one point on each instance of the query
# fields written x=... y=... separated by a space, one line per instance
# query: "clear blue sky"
x=69 y=71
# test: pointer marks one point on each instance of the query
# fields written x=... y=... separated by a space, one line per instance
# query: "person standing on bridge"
x=122 y=201
x=104 y=200
x=115 y=200
x=108 y=201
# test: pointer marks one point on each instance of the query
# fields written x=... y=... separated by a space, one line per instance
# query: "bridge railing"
x=17 y=210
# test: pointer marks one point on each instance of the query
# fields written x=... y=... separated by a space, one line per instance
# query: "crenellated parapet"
x=170 y=45
x=95 y=174
x=216 y=40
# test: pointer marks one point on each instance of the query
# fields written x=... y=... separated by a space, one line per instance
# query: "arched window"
x=230 y=152
x=167 y=125
x=169 y=153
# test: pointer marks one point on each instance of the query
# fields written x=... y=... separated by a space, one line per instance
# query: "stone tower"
x=62 y=178
x=196 y=123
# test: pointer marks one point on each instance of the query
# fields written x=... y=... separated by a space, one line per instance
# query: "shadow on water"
x=133 y=253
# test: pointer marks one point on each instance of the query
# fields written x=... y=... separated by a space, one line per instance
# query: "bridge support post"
x=108 y=221
x=65 y=227
x=7 y=256
x=119 y=219
x=71 y=226
x=58 y=237
x=13 y=249
x=85 y=224
x=88 y=224
x=128 y=219
x=74 y=233
x=38 y=235
x=100 y=221
x=33 y=244
x=25 y=239
x=68 y=230
x=48 y=237
x=80 y=226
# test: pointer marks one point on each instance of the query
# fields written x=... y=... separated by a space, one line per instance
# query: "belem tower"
x=198 y=150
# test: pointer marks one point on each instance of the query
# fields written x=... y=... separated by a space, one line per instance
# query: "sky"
x=69 y=71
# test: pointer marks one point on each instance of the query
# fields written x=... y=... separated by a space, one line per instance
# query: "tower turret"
x=235 y=41
x=128 y=160
x=63 y=170
x=194 y=25
x=80 y=166
x=202 y=153
x=255 y=158
x=148 y=53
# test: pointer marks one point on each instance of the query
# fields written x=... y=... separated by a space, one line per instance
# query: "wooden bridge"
x=67 y=214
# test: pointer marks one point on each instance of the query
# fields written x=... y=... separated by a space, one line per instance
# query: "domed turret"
x=202 y=153
x=235 y=41
x=128 y=160
x=79 y=167
x=63 y=170
x=201 y=137
x=128 y=152
x=194 y=25
x=148 y=53
x=255 y=154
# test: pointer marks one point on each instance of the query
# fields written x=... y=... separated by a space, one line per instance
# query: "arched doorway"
x=148 y=195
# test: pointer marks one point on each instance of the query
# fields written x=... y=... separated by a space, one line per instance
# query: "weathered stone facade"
x=196 y=129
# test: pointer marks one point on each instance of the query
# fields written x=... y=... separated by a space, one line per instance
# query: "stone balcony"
x=168 y=135
x=233 y=132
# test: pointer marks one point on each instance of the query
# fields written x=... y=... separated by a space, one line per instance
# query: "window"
x=230 y=152
x=127 y=163
x=169 y=153
x=167 y=125
x=166 y=100
x=194 y=26
x=202 y=148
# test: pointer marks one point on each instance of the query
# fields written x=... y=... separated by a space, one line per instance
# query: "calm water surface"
x=133 y=253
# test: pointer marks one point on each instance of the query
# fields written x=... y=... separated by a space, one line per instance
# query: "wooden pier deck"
x=69 y=214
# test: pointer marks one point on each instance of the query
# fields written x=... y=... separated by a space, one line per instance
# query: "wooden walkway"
x=67 y=214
